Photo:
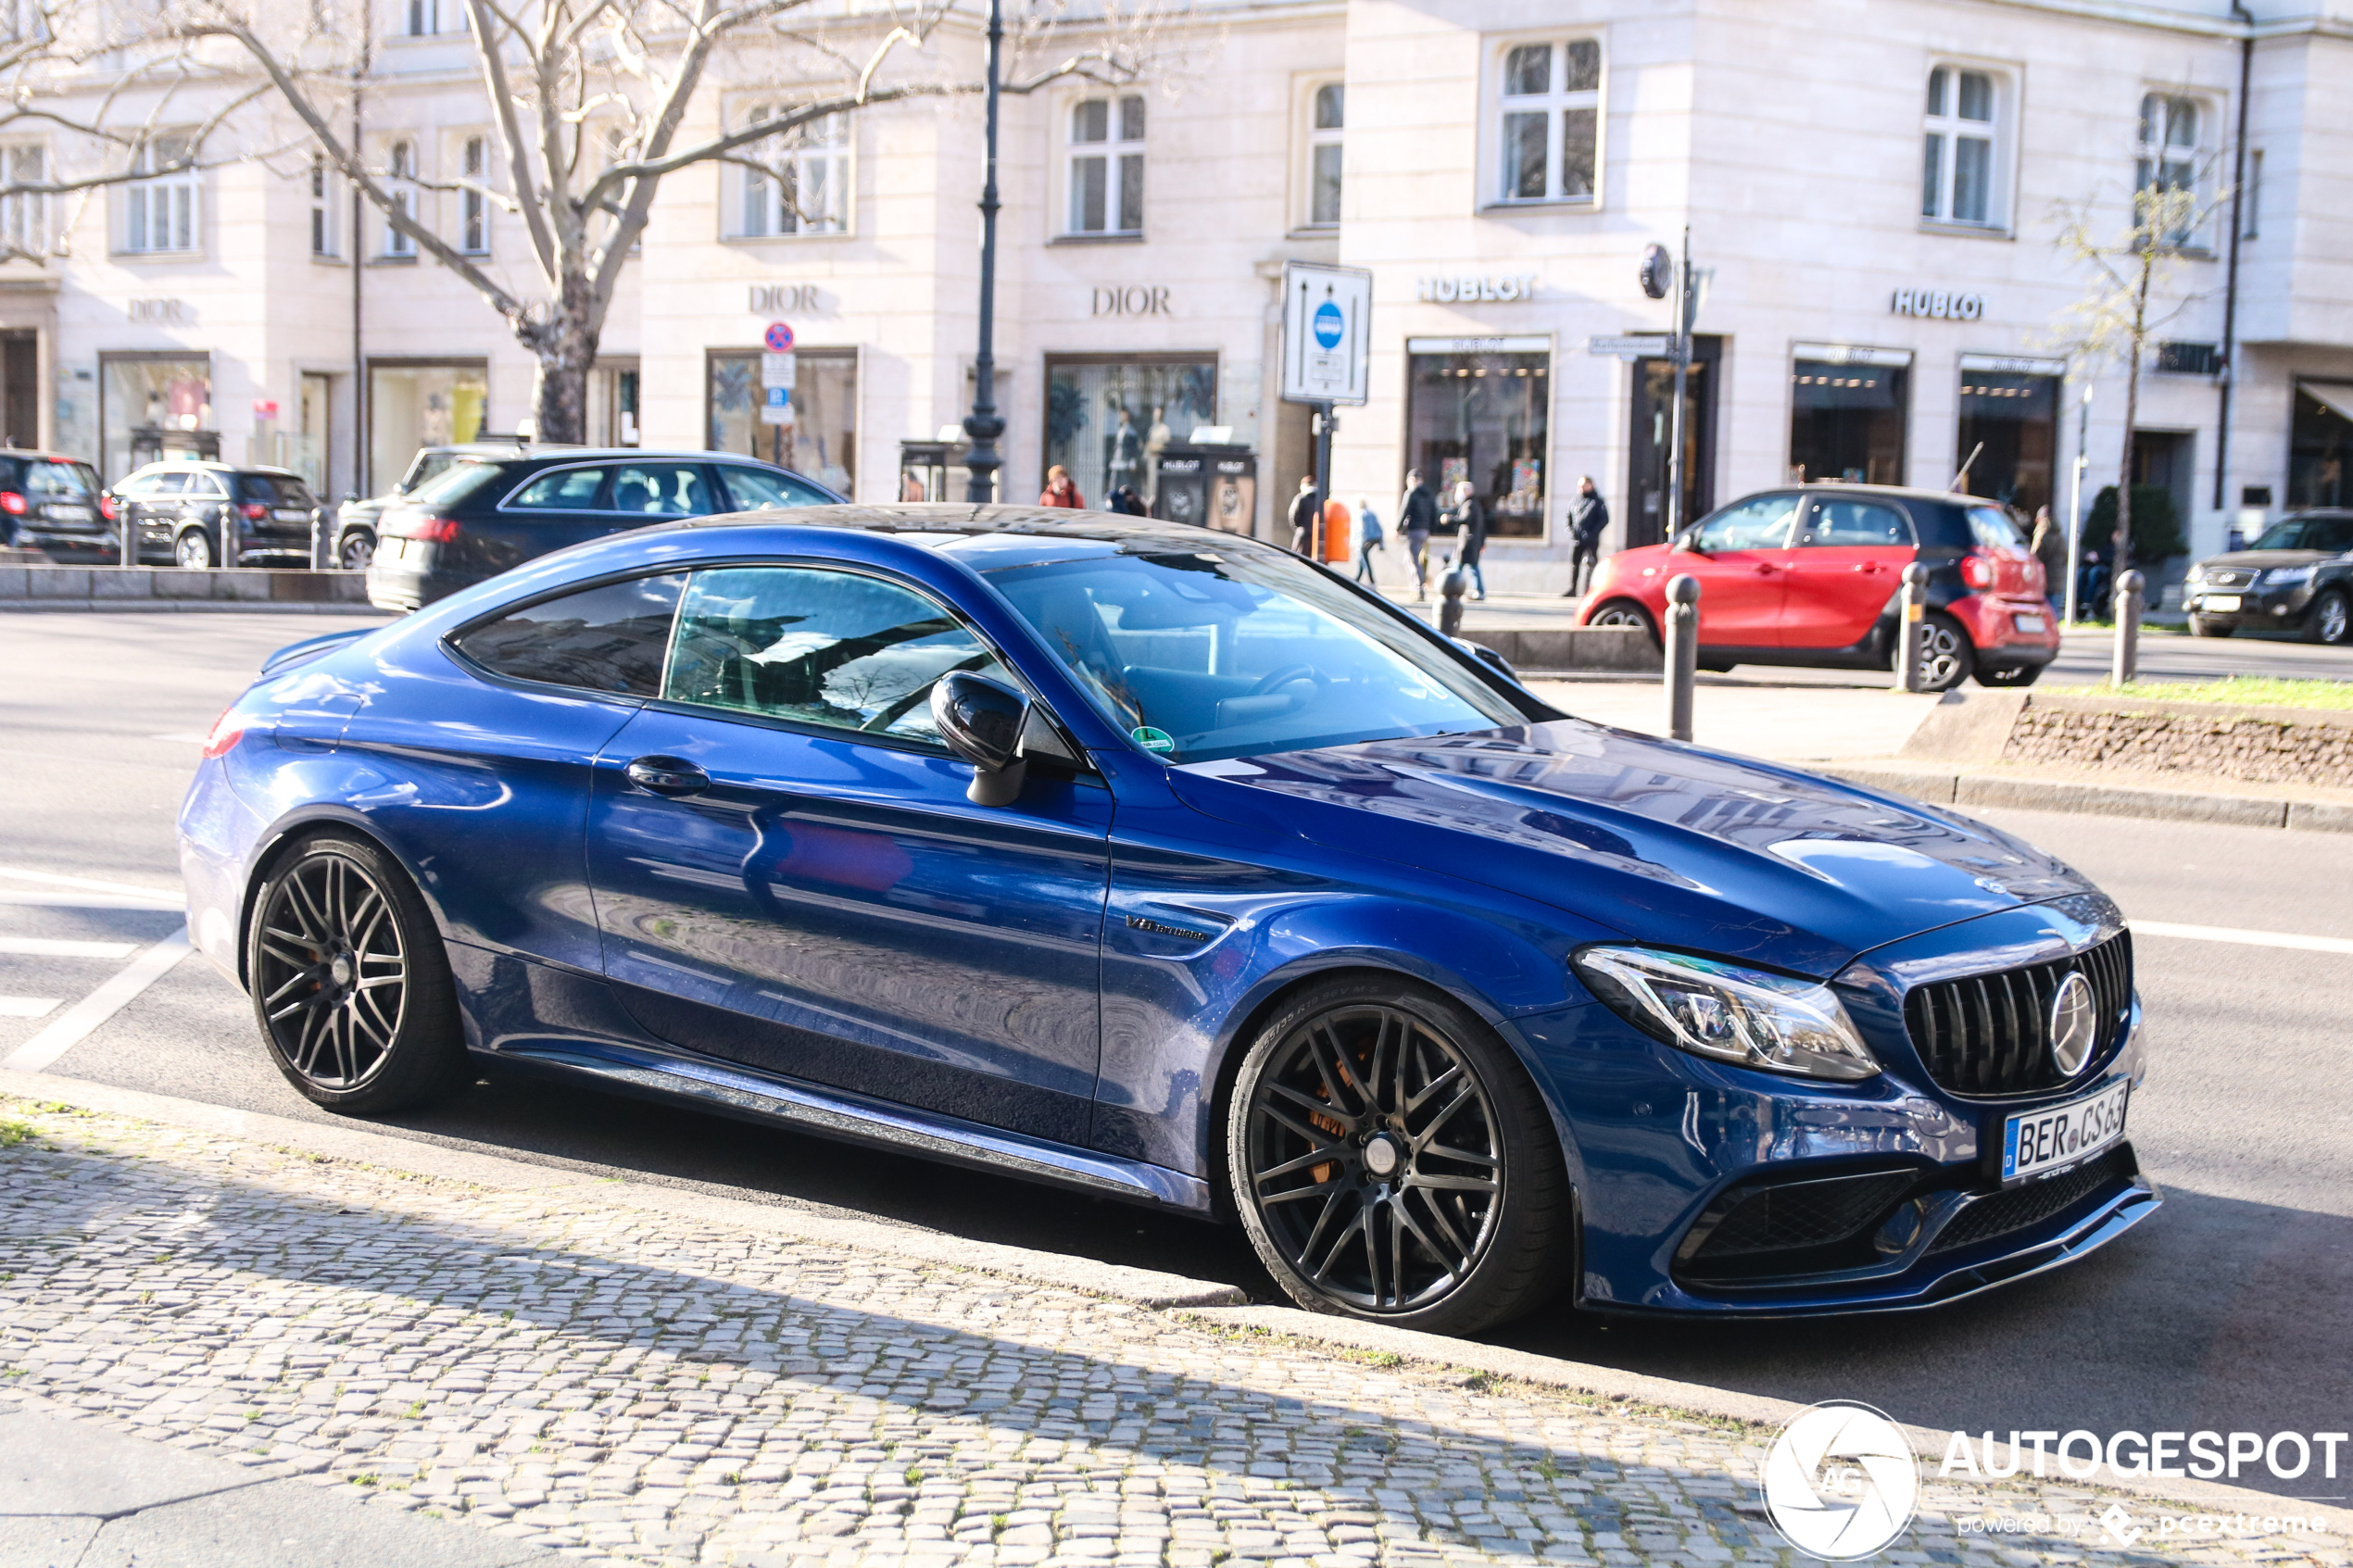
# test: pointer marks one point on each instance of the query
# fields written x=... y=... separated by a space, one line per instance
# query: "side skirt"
x=758 y=1096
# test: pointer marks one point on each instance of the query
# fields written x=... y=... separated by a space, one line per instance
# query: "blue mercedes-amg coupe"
x=1166 y=864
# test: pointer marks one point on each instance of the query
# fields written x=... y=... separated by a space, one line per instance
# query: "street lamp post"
x=984 y=426
x=2075 y=506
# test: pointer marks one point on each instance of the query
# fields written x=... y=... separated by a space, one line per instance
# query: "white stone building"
x=1870 y=186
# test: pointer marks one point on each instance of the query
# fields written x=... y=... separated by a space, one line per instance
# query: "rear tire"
x=2329 y=620
x=191 y=552
x=2201 y=627
x=1948 y=660
x=1626 y=612
x=351 y=983
x=357 y=550
x=1393 y=1162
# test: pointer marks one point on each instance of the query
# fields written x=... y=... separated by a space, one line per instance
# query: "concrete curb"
x=1938 y=787
x=1211 y=1305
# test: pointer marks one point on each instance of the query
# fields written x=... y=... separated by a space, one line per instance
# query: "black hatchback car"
x=188 y=514
x=2297 y=576
x=52 y=502
x=483 y=514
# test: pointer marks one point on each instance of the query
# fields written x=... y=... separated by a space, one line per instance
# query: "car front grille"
x=1990 y=1033
x=2022 y=1207
x=2228 y=579
x=1791 y=1227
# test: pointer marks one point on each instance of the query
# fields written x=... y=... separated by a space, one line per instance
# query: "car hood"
x=2254 y=560
x=1665 y=843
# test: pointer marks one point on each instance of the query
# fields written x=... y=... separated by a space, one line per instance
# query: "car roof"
x=990 y=535
x=1901 y=492
x=569 y=454
x=214 y=465
x=38 y=452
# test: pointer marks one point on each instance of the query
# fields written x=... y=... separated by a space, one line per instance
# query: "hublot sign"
x=1938 y=304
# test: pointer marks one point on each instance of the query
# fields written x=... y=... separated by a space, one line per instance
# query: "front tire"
x=351 y=983
x=356 y=551
x=2329 y=620
x=1626 y=612
x=192 y=551
x=1393 y=1162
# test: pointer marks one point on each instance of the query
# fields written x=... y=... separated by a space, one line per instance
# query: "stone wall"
x=2260 y=745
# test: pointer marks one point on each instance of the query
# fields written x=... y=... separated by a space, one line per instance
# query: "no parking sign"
x=777 y=338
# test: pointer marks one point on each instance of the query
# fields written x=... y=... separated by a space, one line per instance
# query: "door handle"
x=667 y=776
x=1764 y=571
x=1870 y=566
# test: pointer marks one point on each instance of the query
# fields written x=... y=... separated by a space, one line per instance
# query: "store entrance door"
x=20 y=387
x=1651 y=441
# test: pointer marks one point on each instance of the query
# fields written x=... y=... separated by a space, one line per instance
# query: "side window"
x=661 y=490
x=206 y=485
x=566 y=490
x=1856 y=523
x=2333 y=534
x=1760 y=524
x=132 y=489
x=169 y=485
x=608 y=639
x=759 y=490
x=817 y=647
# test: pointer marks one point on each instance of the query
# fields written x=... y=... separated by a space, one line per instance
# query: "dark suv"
x=2297 y=576
x=52 y=502
x=187 y=513
x=485 y=514
x=356 y=521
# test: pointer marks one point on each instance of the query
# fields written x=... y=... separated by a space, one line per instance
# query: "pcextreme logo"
x=1841 y=1480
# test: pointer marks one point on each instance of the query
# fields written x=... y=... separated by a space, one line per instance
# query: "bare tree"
x=590 y=99
x=2130 y=299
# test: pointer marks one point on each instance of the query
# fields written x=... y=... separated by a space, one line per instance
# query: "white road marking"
x=164 y=902
x=53 y=879
x=190 y=736
x=26 y=1007
x=77 y=1023
x=2243 y=937
x=52 y=947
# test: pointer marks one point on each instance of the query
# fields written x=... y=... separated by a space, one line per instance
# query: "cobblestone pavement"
x=624 y=1387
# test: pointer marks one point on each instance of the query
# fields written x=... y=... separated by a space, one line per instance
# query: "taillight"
x=255 y=511
x=1977 y=571
x=225 y=733
x=433 y=530
x=2037 y=578
x=12 y=503
x=106 y=508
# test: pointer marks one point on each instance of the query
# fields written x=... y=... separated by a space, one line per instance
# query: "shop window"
x=25 y=215
x=1327 y=121
x=163 y=211
x=1846 y=419
x=400 y=175
x=1962 y=158
x=1485 y=418
x=148 y=405
x=2009 y=421
x=414 y=405
x=1108 y=419
x=821 y=440
x=473 y=205
x=801 y=185
x=326 y=231
x=1107 y=166
x=2319 y=443
x=1550 y=121
x=2172 y=155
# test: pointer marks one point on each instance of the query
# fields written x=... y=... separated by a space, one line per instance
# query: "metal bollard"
x=1451 y=588
x=318 y=536
x=1682 y=653
x=126 y=536
x=2131 y=600
x=1911 y=621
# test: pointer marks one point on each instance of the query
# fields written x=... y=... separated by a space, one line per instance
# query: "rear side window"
x=763 y=490
x=273 y=491
x=55 y=478
x=566 y=490
x=2332 y=533
x=608 y=639
x=654 y=490
x=456 y=482
x=1991 y=527
x=1856 y=523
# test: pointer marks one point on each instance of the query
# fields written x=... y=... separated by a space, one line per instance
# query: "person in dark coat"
x=1416 y=517
x=1470 y=522
x=1588 y=516
x=1304 y=507
x=1125 y=499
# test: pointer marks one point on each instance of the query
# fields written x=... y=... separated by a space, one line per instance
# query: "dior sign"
x=1471 y=288
x=776 y=299
x=1938 y=304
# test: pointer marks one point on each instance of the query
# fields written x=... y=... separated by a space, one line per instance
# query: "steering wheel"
x=1275 y=679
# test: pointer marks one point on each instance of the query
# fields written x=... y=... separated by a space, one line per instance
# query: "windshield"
x=1211 y=654
x=430 y=464
x=456 y=482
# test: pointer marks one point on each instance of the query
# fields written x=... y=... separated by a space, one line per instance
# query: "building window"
x=473 y=207
x=400 y=173
x=2319 y=445
x=1107 y=166
x=25 y=215
x=1328 y=117
x=2251 y=200
x=161 y=212
x=2169 y=159
x=421 y=19
x=325 y=232
x=1960 y=168
x=1108 y=418
x=413 y=405
x=803 y=184
x=1846 y=416
x=151 y=405
x=821 y=440
x=1482 y=417
x=2009 y=423
x=1550 y=99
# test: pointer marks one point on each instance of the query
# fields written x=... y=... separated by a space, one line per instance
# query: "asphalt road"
x=2231 y=1310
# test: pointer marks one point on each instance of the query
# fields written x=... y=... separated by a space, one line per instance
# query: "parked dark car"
x=52 y=502
x=1809 y=575
x=1165 y=865
x=357 y=521
x=485 y=514
x=2297 y=576
x=180 y=509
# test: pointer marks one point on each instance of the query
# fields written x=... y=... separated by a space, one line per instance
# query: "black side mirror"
x=981 y=720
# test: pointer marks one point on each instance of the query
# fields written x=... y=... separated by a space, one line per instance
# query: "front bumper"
x=2256 y=609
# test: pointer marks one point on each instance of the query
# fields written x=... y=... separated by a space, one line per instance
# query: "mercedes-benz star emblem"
x=1841 y=1480
x=2075 y=1024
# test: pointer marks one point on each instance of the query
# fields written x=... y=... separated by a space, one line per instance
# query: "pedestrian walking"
x=1417 y=516
x=1302 y=517
x=1368 y=537
x=2049 y=546
x=1060 y=491
x=1588 y=516
x=1469 y=521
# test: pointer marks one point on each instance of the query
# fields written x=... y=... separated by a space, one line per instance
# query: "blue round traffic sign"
x=778 y=338
x=1329 y=325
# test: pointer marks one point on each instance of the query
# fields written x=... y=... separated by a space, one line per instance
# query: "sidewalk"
x=553 y=1369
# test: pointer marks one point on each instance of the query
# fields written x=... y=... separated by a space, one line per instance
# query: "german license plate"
x=2029 y=623
x=2036 y=1143
x=2219 y=603
x=66 y=512
x=291 y=514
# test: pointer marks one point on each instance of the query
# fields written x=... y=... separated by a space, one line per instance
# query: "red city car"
x=1809 y=575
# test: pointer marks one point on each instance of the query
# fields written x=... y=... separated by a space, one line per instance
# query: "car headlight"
x=1728 y=1014
x=2286 y=576
x=2196 y=575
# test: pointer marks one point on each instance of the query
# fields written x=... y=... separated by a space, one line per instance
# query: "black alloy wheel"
x=2329 y=620
x=351 y=983
x=1624 y=612
x=356 y=551
x=1392 y=1161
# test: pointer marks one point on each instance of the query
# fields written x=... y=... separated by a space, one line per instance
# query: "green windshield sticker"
x=1153 y=740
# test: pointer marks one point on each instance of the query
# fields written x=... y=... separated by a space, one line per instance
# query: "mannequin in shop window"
x=1127 y=454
